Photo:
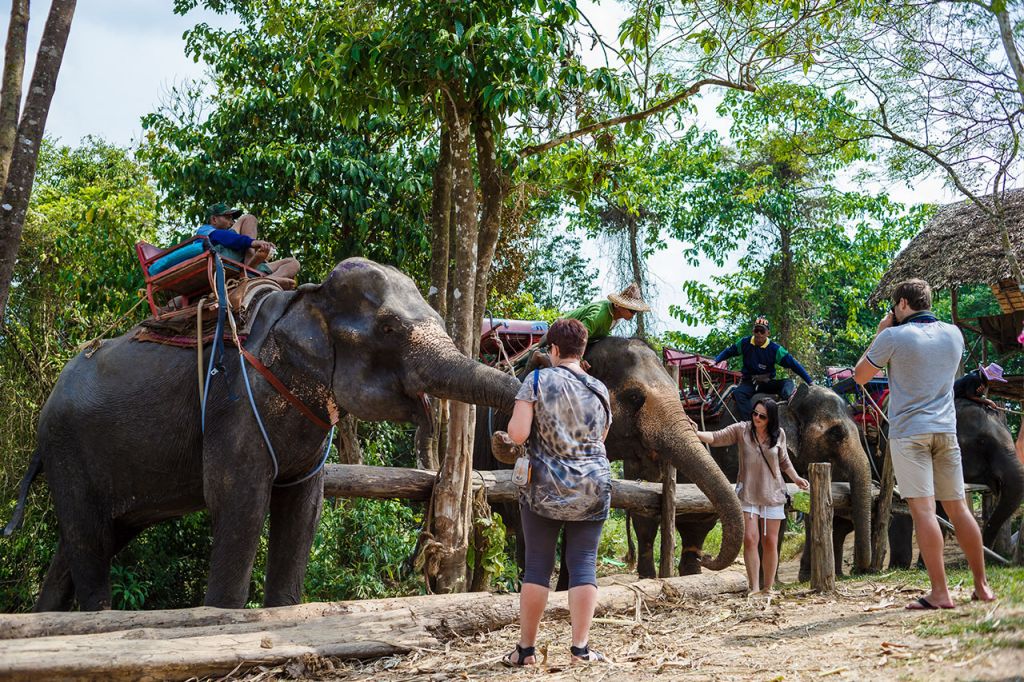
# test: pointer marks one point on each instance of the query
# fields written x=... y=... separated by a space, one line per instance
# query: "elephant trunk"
x=860 y=501
x=674 y=437
x=440 y=370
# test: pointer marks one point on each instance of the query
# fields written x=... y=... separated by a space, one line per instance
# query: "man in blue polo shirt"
x=760 y=355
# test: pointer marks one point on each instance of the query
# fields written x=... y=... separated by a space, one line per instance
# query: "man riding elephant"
x=760 y=355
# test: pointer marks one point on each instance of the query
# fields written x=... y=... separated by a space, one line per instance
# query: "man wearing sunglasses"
x=760 y=356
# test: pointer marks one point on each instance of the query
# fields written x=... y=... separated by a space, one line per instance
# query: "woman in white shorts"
x=762 y=457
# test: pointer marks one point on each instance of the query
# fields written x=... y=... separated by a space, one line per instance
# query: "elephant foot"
x=689 y=565
x=804 y=575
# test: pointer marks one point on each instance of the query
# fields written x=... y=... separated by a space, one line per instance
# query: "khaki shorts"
x=928 y=465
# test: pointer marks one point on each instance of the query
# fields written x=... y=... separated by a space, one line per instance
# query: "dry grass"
x=861 y=632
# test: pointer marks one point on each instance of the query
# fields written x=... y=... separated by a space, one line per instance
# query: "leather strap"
x=288 y=395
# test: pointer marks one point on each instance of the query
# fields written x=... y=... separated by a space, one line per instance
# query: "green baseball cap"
x=222 y=209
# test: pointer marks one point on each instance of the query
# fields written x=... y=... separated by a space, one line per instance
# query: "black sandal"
x=584 y=654
x=521 y=653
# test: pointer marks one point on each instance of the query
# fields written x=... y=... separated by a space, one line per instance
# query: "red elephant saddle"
x=245 y=298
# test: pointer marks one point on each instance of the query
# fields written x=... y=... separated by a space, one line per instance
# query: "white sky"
x=124 y=55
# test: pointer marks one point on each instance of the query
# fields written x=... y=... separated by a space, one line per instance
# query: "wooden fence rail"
x=358 y=480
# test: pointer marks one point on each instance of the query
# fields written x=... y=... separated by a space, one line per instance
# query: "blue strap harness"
x=216 y=366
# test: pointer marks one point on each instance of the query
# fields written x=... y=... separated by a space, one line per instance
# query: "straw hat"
x=630 y=299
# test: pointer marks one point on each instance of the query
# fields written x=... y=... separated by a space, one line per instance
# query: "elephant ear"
x=789 y=424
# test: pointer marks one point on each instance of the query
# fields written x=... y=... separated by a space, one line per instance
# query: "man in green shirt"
x=600 y=317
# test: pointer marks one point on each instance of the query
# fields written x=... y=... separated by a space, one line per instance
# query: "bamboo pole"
x=823 y=567
x=883 y=512
x=668 y=520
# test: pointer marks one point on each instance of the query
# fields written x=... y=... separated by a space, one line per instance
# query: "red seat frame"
x=189 y=279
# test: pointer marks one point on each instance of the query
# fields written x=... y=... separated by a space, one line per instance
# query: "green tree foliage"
x=76 y=278
x=251 y=136
x=807 y=252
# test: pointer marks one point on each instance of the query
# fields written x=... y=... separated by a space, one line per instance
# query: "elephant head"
x=647 y=417
x=387 y=347
x=819 y=429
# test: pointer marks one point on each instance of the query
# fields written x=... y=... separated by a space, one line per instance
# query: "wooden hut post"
x=883 y=512
x=823 y=565
x=668 y=521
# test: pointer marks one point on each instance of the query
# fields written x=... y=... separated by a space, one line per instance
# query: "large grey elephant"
x=648 y=422
x=989 y=458
x=818 y=429
x=121 y=443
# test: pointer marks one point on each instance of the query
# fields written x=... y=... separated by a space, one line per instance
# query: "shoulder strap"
x=764 y=457
x=536 y=380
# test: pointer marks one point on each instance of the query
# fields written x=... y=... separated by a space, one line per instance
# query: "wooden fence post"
x=668 y=520
x=823 y=566
x=883 y=512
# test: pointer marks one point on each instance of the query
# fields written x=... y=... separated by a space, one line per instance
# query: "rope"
x=96 y=340
x=199 y=346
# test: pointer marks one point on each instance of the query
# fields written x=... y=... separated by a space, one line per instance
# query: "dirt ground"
x=861 y=633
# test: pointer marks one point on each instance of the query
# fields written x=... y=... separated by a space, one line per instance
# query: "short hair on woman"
x=916 y=291
x=569 y=335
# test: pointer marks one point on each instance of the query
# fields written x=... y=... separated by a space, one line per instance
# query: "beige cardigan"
x=760 y=485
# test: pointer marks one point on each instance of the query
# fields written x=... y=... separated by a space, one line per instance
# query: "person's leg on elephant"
x=742 y=395
x=783 y=388
x=581 y=542
x=294 y=518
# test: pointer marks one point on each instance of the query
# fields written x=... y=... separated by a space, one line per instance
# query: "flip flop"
x=923 y=604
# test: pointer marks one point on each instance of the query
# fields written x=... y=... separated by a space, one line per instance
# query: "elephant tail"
x=34 y=467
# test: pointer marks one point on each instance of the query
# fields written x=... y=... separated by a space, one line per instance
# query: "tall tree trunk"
x=451 y=505
x=18 y=189
x=440 y=214
x=427 y=444
x=493 y=187
x=636 y=265
x=10 y=93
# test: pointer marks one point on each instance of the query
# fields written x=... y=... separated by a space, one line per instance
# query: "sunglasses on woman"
x=760 y=415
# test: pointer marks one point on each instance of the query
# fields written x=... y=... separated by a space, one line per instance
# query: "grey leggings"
x=579 y=554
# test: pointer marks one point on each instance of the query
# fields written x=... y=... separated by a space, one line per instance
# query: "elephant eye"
x=388 y=329
x=634 y=397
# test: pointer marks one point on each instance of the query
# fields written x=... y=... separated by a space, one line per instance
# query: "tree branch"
x=636 y=116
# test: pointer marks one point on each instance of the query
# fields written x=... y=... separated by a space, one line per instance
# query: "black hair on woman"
x=772 y=408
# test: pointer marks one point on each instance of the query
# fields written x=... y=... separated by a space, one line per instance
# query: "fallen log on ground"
x=200 y=642
x=357 y=480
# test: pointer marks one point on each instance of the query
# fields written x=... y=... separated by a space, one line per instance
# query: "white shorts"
x=775 y=513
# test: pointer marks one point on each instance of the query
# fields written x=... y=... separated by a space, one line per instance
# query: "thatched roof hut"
x=958 y=246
